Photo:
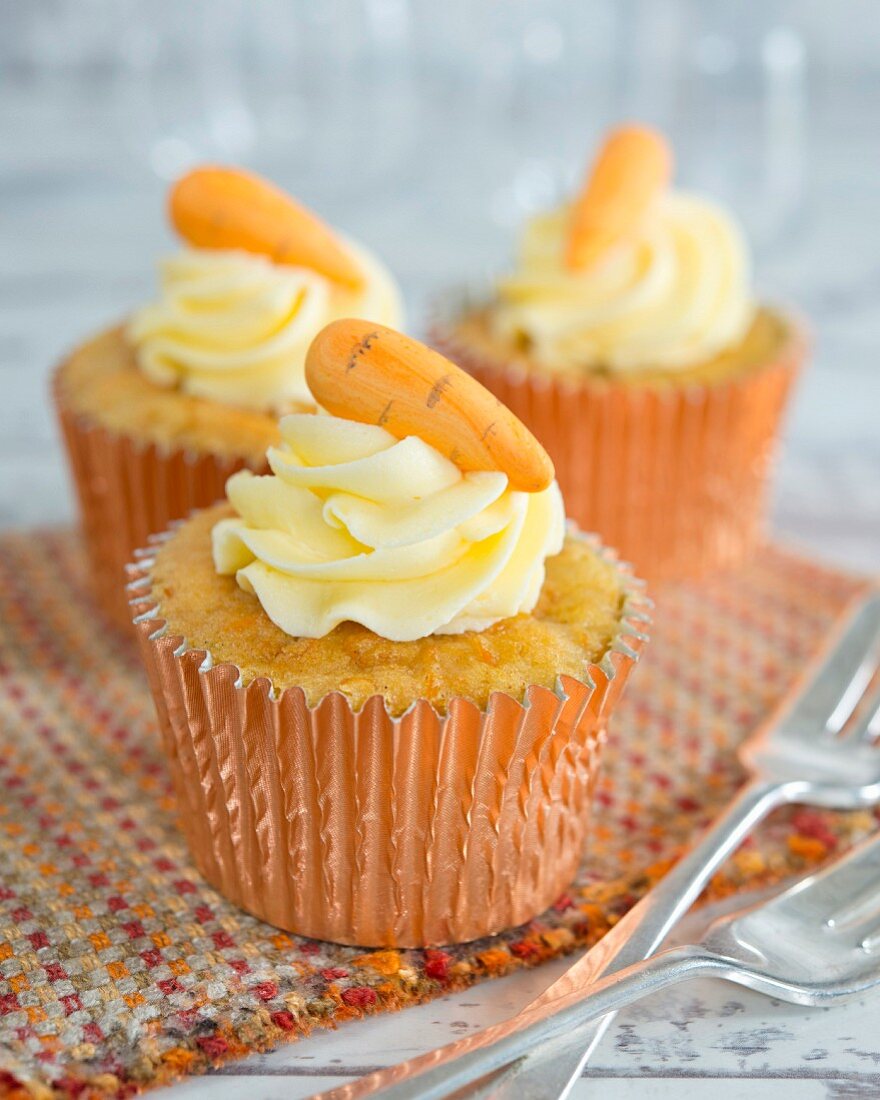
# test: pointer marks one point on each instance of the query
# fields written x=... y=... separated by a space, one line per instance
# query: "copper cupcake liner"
x=126 y=490
x=363 y=828
x=674 y=477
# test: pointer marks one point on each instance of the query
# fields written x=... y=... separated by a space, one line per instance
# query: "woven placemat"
x=121 y=969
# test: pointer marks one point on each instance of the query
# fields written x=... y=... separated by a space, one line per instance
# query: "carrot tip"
x=372 y=374
x=632 y=169
x=218 y=207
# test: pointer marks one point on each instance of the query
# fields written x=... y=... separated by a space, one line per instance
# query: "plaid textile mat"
x=120 y=969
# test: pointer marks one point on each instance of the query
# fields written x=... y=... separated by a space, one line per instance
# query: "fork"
x=817 y=748
x=817 y=943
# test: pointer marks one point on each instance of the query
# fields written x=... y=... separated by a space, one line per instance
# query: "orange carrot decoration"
x=213 y=207
x=633 y=167
x=374 y=375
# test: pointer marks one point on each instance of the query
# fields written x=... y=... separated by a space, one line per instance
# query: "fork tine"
x=871 y=944
x=872 y=723
x=862 y=677
x=865 y=725
x=852 y=660
x=857 y=911
x=845 y=894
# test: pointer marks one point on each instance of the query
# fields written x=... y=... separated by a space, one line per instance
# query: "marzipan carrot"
x=633 y=167
x=374 y=375
x=215 y=207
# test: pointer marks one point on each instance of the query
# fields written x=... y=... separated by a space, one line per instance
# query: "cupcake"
x=157 y=412
x=628 y=338
x=383 y=671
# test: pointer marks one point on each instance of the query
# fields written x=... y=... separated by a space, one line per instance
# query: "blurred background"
x=430 y=131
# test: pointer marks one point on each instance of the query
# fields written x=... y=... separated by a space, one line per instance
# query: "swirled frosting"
x=356 y=525
x=676 y=293
x=234 y=327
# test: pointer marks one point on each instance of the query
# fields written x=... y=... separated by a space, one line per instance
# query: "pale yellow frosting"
x=234 y=327
x=678 y=292
x=356 y=525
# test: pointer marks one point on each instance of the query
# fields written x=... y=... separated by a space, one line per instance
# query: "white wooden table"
x=80 y=233
x=705 y=1035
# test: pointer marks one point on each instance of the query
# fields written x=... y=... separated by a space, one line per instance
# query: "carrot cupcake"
x=159 y=411
x=629 y=339
x=384 y=670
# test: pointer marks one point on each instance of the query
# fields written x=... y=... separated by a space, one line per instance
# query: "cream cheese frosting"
x=356 y=525
x=677 y=292
x=234 y=327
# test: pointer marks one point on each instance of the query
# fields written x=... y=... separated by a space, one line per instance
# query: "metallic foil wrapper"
x=128 y=489
x=363 y=828
x=674 y=477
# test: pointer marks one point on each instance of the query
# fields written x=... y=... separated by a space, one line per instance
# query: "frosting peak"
x=234 y=327
x=675 y=292
x=356 y=525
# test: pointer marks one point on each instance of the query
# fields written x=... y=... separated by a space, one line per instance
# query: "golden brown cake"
x=762 y=343
x=572 y=626
x=101 y=382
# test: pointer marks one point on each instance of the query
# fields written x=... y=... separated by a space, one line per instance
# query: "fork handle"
x=436 y=1074
x=550 y=1071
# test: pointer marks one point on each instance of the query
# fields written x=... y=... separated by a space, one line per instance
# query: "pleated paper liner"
x=675 y=477
x=128 y=489
x=362 y=828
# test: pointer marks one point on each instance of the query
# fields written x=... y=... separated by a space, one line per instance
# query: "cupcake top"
x=574 y=624
x=414 y=505
x=630 y=275
x=258 y=277
x=409 y=544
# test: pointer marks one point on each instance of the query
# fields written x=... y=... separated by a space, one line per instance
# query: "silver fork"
x=817 y=943
x=816 y=749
